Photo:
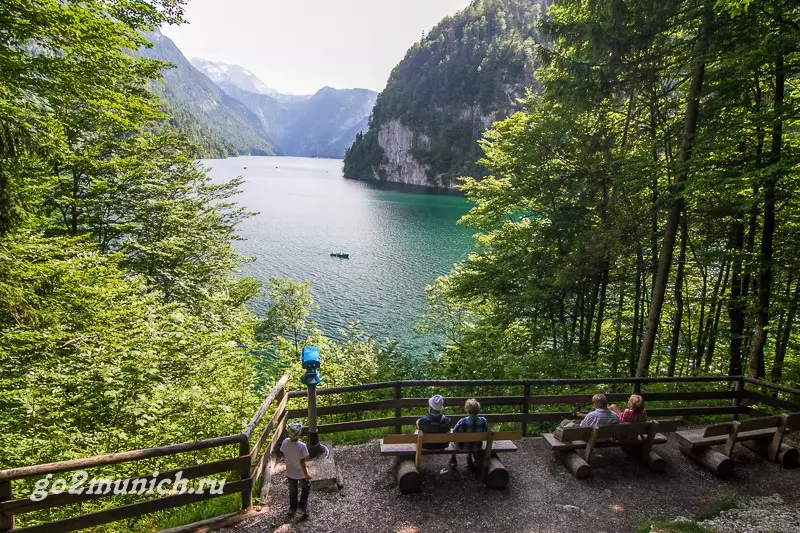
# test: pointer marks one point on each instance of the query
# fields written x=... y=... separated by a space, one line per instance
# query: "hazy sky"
x=299 y=46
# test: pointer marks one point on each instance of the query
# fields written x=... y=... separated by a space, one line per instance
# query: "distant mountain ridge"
x=210 y=117
x=324 y=124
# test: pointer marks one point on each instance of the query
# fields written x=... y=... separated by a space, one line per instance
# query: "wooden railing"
x=520 y=402
x=248 y=465
x=536 y=408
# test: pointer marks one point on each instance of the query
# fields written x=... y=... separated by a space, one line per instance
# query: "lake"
x=399 y=241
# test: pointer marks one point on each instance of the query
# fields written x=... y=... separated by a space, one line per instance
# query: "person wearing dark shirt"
x=435 y=422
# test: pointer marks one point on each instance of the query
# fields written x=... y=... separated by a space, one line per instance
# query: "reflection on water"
x=398 y=240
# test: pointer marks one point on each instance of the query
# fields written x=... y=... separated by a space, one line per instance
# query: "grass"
x=679 y=527
x=200 y=511
x=723 y=502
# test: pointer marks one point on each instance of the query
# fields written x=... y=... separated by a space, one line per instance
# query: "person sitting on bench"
x=634 y=413
x=602 y=415
x=435 y=422
x=471 y=424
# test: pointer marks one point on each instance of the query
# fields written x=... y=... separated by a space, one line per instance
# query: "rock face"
x=320 y=125
x=469 y=71
x=397 y=142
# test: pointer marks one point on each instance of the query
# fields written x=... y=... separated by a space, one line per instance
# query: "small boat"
x=340 y=255
x=245 y=168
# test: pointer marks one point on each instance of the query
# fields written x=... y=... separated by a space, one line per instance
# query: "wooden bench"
x=762 y=435
x=409 y=451
x=636 y=439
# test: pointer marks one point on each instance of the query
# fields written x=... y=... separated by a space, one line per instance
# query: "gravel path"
x=542 y=495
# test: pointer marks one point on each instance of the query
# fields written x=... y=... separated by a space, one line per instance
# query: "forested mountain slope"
x=469 y=71
x=220 y=124
x=320 y=125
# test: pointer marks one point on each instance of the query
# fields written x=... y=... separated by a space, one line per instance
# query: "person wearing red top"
x=635 y=411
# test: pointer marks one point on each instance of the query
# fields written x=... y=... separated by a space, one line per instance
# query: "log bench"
x=762 y=435
x=635 y=439
x=408 y=449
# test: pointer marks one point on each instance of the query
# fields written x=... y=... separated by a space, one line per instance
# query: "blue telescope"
x=311 y=363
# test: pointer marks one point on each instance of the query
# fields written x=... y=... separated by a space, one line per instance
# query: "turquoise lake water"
x=399 y=240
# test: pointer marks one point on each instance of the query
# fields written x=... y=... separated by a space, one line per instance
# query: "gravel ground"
x=542 y=495
x=767 y=514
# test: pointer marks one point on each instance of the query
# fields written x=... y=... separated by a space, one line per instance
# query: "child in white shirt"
x=295 y=453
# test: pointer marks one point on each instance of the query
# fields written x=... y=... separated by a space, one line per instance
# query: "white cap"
x=436 y=403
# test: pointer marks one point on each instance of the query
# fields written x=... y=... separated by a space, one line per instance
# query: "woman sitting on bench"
x=635 y=411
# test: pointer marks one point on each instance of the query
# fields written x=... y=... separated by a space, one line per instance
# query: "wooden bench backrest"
x=793 y=421
x=439 y=438
x=573 y=434
x=667 y=426
x=400 y=439
x=718 y=429
x=622 y=430
x=759 y=423
x=434 y=438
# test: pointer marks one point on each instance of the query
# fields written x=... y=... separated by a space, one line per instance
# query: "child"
x=471 y=424
x=295 y=454
x=635 y=411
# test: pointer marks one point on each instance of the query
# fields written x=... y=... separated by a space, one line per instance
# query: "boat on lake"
x=340 y=255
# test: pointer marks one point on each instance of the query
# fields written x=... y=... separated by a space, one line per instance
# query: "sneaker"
x=290 y=514
x=303 y=516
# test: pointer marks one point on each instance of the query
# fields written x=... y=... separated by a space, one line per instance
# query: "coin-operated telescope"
x=311 y=363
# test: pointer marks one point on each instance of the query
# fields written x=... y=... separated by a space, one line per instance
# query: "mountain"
x=222 y=73
x=220 y=124
x=469 y=71
x=320 y=125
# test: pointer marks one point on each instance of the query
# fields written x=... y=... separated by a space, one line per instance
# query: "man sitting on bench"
x=435 y=422
x=471 y=424
x=601 y=416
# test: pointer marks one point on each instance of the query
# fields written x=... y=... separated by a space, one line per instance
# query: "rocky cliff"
x=470 y=70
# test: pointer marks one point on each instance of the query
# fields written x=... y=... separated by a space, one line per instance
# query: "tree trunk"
x=712 y=335
x=701 y=322
x=600 y=312
x=674 y=213
x=618 y=332
x=586 y=341
x=736 y=302
x=756 y=362
x=676 y=324
x=783 y=341
x=635 y=327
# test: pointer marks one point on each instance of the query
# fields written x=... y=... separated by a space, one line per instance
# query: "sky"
x=300 y=46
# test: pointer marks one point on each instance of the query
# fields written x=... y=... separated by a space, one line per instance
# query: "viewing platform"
x=539 y=494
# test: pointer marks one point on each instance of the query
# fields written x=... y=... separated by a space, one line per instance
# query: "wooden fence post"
x=6 y=520
x=398 y=412
x=244 y=473
x=737 y=401
x=637 y=387
x=526 y=395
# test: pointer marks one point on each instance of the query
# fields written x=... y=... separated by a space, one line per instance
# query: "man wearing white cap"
x=435 y=422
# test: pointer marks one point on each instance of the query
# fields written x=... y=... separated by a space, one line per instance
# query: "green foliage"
x=689 y=526
x=123 y=319
x=468 y=71
x=578 y=188
x=720 y=504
